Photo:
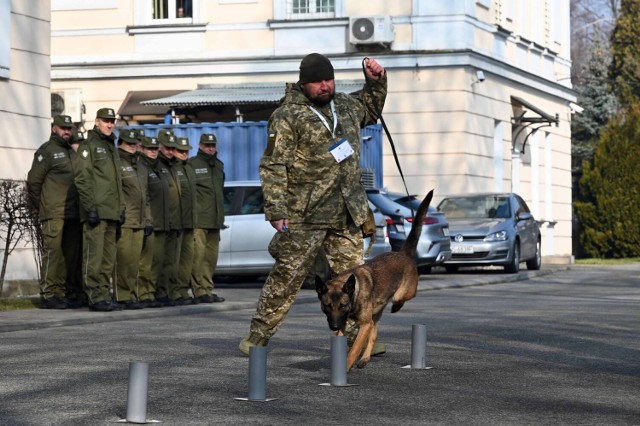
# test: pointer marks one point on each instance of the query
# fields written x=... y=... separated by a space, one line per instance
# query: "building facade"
x=25 y=82
x=479 y=95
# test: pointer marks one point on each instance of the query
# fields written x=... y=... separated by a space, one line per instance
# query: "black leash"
x=393 y=147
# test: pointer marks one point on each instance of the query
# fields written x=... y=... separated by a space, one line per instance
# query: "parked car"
x=434 y=244
x=491 y=229
x=244 y=241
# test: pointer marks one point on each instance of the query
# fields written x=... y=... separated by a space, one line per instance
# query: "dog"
x=361 y=293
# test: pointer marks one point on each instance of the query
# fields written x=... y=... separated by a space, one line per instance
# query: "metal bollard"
x=257 y=375
x=418 y=347
x=137 y=394
x=338 y=362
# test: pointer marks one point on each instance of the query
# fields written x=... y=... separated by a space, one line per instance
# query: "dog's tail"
x=416 y=229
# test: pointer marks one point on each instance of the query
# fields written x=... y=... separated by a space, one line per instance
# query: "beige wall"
x=24 y=102
x=452 y=132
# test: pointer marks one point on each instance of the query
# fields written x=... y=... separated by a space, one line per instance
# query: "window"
x=309 y=9
x=5 y=38
x=172 y=9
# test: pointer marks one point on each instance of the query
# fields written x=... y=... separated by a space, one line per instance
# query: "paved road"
x=550 y=348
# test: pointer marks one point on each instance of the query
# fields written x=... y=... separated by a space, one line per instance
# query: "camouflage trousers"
x=294 y=252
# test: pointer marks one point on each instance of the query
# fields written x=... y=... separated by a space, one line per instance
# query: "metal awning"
x=541 y=119
x=131 y=105
x=238 y=94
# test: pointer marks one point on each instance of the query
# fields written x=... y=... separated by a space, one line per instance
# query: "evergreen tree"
x=624 y=71
x=611 y=188
x=599 y=104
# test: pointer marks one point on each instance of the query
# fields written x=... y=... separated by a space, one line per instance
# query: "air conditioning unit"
x=67 y=102
x=370 y=29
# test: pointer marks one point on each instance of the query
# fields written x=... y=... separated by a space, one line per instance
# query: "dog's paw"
x=363 y=362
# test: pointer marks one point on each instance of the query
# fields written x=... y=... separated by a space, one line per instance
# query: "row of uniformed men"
x=148 y=217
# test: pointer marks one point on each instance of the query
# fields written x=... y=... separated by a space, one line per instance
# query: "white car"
x=244 y=241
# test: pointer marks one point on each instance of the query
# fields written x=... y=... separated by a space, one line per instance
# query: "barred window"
x=172 y=9
x=309 y=9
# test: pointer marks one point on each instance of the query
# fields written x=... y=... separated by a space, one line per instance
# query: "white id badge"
x=341 y=150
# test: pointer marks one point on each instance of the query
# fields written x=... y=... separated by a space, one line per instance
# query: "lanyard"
x=324 y=120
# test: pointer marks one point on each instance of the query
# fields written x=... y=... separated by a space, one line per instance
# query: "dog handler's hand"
x=282 y=225
x=373 y=69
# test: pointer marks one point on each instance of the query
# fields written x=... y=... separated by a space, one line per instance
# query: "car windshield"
x=476 y=207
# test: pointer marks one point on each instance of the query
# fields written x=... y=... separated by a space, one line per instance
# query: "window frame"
x=144 y=13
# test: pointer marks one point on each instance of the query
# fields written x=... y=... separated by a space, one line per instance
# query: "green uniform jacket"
x=158 y=189
x=50 y=182
x=187 y=178
x=135 y=177
x=172 y=196
x=97 y=176
x=209 y=173
x=302 y=181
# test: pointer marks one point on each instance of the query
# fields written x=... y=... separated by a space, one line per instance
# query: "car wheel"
x=451 y=269
x=514 y=266
x=535 y=263
x=424 y=270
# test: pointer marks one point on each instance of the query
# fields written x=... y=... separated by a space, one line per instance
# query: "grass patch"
x=596 y=261
x=16 y=304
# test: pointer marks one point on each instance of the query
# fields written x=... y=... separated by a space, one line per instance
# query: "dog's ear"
x=349 y=286
x=320 y=287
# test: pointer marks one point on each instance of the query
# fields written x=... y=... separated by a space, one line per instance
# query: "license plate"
x=461 y=249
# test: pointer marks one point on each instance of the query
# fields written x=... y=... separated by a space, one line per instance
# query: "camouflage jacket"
x=50 y=181
x=97 y=177
x=301 y=180
x=135 y=178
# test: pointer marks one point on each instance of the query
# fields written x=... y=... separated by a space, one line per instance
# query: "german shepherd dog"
x=361 y=293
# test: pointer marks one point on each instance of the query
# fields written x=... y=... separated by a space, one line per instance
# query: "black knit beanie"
x=315 y=67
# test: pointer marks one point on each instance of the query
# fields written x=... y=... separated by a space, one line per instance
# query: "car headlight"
x=497 y=236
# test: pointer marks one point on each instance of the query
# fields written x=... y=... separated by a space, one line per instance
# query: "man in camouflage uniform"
x=150 y=265
x=169 y=249
x=313 y=194
x=138 y=219
x=98 y=179
x=209 y=171
x=187 y=179
x=53 y=194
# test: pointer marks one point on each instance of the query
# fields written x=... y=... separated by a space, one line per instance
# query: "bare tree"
x=16 y=220
x=590 y=19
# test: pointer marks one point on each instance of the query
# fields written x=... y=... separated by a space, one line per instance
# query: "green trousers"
x=60 y=271
x=98 y=259
x=185 y=266
x=294 y=252
x=169 y=254
x=129 y=248
x=205 y=259
x=147 y=275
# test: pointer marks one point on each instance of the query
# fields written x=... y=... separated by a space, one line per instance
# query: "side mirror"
x=524 y=216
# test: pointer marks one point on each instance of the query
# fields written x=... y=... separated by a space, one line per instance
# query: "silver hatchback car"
x=491 y=229
x=244 y=242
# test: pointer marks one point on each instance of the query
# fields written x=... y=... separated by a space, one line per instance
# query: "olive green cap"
x=63 y=121
x=183 y=144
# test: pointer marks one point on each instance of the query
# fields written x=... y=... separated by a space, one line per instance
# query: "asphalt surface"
x=556 y=346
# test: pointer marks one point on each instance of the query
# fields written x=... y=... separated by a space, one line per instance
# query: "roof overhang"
x=237 y=94
x=131 y=105
x=530 y=123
